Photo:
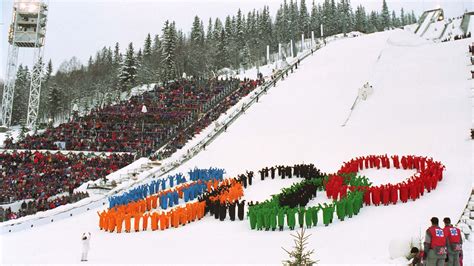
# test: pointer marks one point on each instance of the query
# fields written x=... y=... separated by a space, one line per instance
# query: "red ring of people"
x=428 y=174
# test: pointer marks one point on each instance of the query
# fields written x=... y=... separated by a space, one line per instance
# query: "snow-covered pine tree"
x=372 y=22
x=403 y=20
x=246 y=57
x=20 y=97
x=413 y=17
x=240 y=41
x=386 y=24
x=168 y=51
x=315 y=20
x=304 y=22
x=344 y=11
x=197 y=54
x=54 y=102
x=360 y=19
x=147 y=47
x=222 y=56
x=395 y=20
x=128 y=74
x=49 y=71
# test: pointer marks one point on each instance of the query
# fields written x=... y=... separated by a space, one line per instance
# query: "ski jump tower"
x=27 y=30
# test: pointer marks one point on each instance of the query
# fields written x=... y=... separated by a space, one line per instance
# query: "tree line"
x=237 y=42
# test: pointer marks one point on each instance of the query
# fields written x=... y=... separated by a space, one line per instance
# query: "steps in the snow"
x=466 y=223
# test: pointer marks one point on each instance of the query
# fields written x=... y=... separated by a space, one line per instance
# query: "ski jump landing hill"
x=418 y=107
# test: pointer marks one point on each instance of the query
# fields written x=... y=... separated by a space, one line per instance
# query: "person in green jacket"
x=266 y=218
x=314 y=215
x=341 y=209
x=328 y=212
x=290 y=218
x=350 y=205
x=358 y=200
x=331 y=212
x=281 y=218
x=308 y=218
x=260 y=219
x=252 y=217
x=301 y=212
x=273 y=218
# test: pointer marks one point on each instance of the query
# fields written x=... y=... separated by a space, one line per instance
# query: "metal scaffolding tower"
x=27 y=30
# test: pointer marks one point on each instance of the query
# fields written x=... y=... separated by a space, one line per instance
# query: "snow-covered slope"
x=420 y=106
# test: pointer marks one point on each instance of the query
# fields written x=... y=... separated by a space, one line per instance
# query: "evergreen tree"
x=168 y=50
x=360 y=19
x=222 y=56
x=21 y=95
x=305 y=21
x=49 y=71
x=386 y=24
x=128 y=73
x=54 y=102
x=413 y=17
x=246 y=57
x=197 y=56
x=316 y=19
x=300 y=255
x=395 y=20
x=372 y=22
x=403 y=20
x=117 y=55
x=147 y=47
x=345 y=16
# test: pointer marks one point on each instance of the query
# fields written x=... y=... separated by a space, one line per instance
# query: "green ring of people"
x=290 y=205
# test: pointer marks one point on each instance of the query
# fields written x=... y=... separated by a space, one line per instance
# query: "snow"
x=14 y=132
x=420 y=106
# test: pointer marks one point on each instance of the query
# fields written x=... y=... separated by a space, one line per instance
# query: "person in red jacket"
x=394 y=194
x=385 y=195
x=435 y=245
x=454 y=242
x=375 y=192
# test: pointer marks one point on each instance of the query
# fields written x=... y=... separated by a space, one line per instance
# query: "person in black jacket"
x=241 y=210
x=232 y=211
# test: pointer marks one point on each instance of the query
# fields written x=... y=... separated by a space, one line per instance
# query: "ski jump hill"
x=420 y=105
x=433 y=25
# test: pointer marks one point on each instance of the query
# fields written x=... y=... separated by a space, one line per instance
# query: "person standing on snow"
x=86 y=237
x=435 y=245
x=454 y=241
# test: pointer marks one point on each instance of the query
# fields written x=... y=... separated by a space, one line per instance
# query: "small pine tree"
x=300 y=255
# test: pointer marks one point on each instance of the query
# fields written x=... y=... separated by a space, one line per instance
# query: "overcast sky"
x=81 y=27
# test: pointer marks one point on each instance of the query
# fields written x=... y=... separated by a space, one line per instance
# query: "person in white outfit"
x=86 y=237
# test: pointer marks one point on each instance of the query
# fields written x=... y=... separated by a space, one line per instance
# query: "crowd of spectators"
x=125 y=127
x=36 y=175
x=170 y=114
x=34 y=206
